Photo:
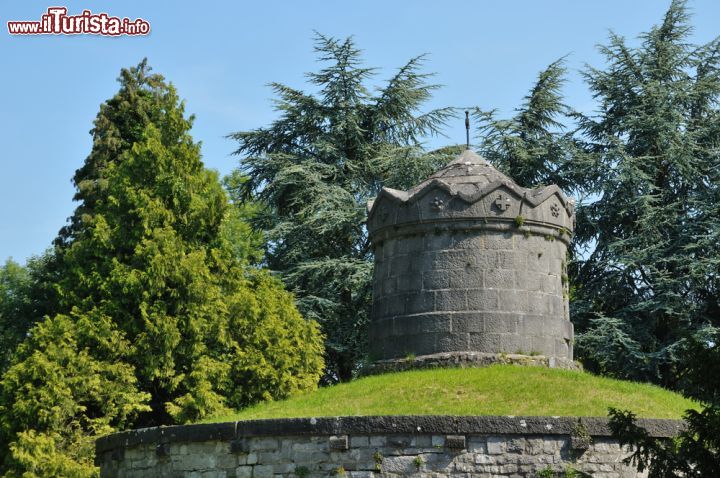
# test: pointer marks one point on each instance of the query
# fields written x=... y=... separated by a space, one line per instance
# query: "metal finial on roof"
x=467 y=130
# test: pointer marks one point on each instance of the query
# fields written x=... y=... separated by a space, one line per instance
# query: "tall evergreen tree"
x=158 y=320
x=534 y=147
x=651 y=275
x=315 y=167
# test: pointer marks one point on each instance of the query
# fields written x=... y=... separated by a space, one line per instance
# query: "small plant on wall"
x=569 y=472
x=378 y=458
x=546 y=472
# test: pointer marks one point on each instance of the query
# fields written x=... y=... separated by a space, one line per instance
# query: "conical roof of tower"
x=470 y=188
x=467 y=174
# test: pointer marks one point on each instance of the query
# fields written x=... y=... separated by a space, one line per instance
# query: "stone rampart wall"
x=367 y=447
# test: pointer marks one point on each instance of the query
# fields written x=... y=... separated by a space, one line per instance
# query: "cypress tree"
x=159 y=318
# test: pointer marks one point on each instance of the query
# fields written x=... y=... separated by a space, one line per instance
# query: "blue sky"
x=221 y=55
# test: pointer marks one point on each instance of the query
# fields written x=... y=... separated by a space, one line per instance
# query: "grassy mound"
x=496 y=390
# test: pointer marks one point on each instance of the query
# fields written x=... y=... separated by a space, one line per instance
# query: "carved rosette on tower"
x=468 y=264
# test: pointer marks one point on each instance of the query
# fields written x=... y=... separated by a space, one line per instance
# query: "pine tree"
x=534 y=147
x=159 y=320
x=314 y=168
x=650 y=278
x=650 y=304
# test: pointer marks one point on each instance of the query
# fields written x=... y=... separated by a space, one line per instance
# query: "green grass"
x=496 y=390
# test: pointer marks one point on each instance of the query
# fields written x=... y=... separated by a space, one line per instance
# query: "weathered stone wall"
x=479 y=289
x=372 y=446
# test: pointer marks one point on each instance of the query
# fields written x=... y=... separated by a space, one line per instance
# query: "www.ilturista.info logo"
x=57 y=22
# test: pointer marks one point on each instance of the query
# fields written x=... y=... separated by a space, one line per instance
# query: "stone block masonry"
x=506 y=299
x=367 y=447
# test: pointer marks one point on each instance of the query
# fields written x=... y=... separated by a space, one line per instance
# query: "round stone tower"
x=469 y=263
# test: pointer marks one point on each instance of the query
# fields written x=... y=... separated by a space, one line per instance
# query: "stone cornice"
x=376 y=425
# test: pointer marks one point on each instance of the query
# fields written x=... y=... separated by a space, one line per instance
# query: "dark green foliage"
x=696 y=451
x=650 y=274
x=646 y=167
x=647 y=170
x=532 y=147
x=313 y=170
x=26 y=294
x=645 y=274
x=649 y=302
x=14 y=304
x=158 y=318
